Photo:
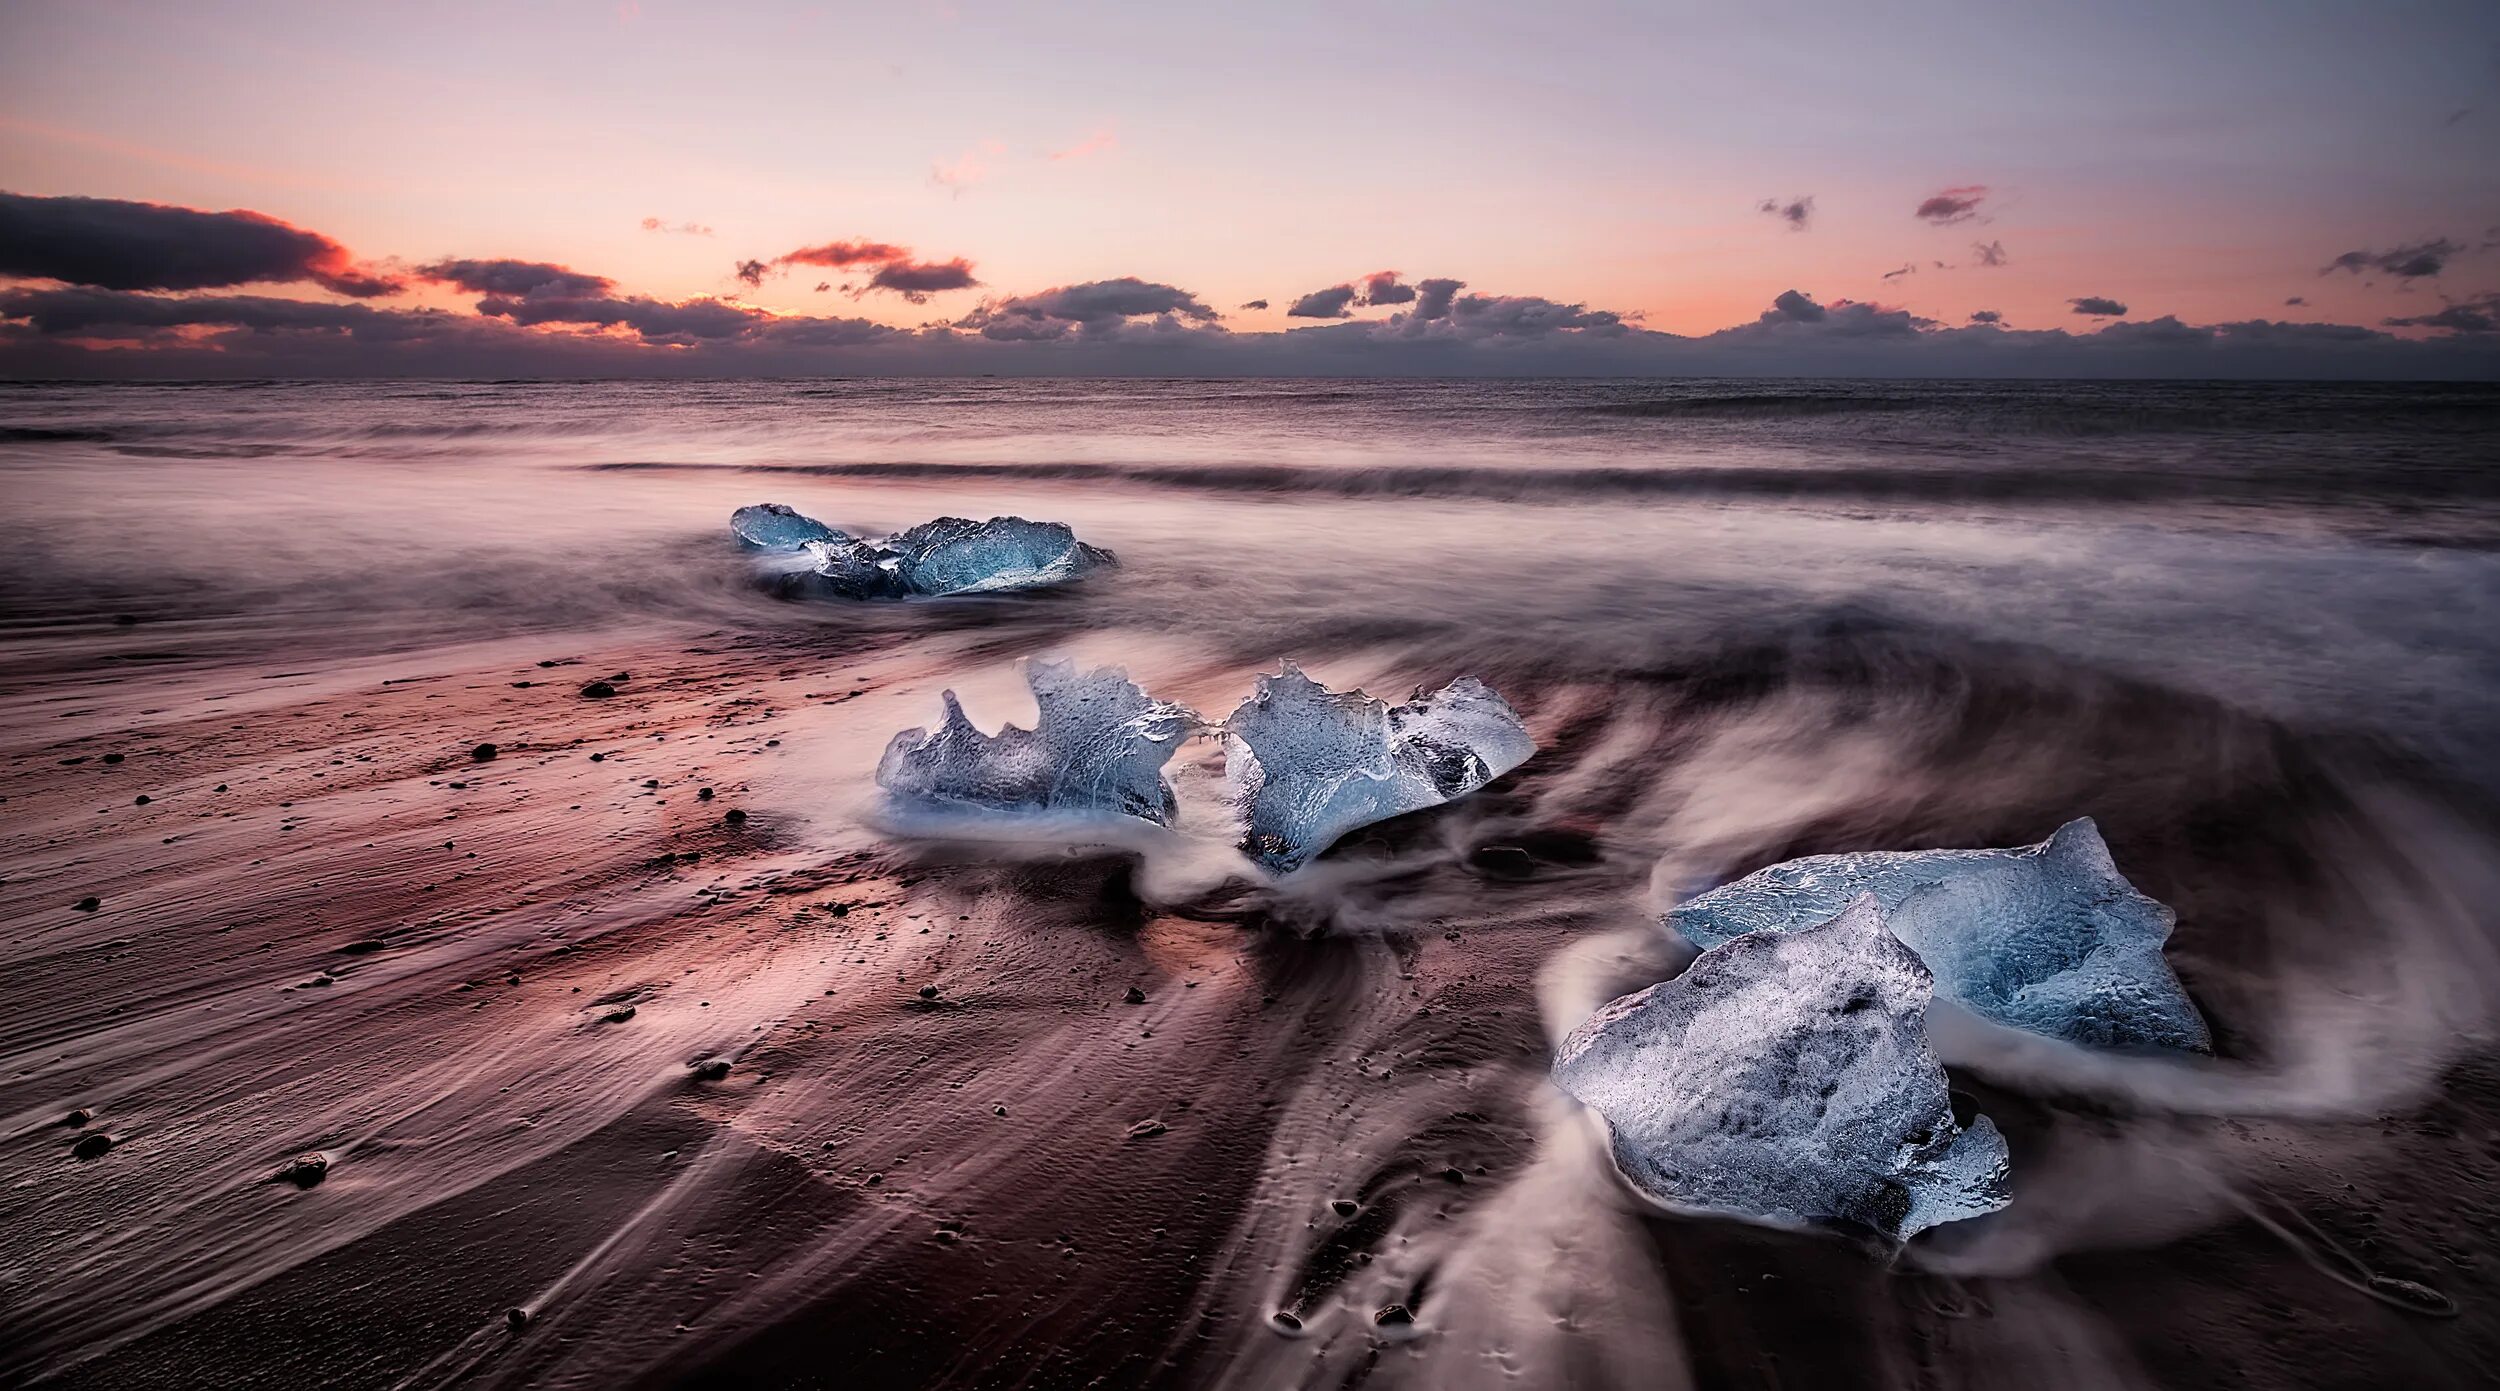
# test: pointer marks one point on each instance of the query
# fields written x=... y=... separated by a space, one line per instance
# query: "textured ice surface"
x=773 y=526
x=1098 y=749
x=1786 y=1077
x=952 y=555
x=1308 y=764
x=2050 y=937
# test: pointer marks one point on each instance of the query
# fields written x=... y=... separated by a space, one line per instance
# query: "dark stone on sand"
x=598 y=758
x=1135 y=996
x=306 y=1170
x=734 y=817
x=366 y=947
x=1502 y=862
x=91 y=1146
x=88 y=904
x=547 y=664
x=1343 y=1207
x=1147 y=1129
x=712 y=1069
x=617 y=1016
x=78 y=1118
x=2412 y=1297
x=112 y=758
x=703 y=794
x=597 y=690
x=141 y=800
x=1453 y=1176
x=516 y=1318
x=928 y=992
x=1393 y=1314
x=1285 y=1319
x=483 y=753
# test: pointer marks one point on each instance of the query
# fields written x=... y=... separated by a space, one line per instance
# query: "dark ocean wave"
x=1856 y=482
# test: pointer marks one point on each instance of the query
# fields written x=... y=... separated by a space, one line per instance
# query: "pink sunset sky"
x=1638 y=173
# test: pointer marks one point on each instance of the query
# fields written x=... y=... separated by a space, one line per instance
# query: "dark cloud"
x=116 y=245
x=656 y=320
x=2295 y=301
x=2481 y=314
x=516 y=278
x=1382 y=287
x=1324 y=304
x=1529 y=316
x=1952 y=205
x=2412 y=261
x=683 y=229
x=85 y=311
x=823 y=285
x=1906 y=269
x=1254 y=304
x=1986 y=316
x=1433 y=298
x=2098 y=305
x=752 y=272
x=1793 y=307
x=1991 y=254
x=1099 y=308
x=1798 y=213
x=917 y=280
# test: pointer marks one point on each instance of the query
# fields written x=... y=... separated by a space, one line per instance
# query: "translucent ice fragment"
x=1308 y=764
x=2049 y=938
x=772 y=526
x=954 y=555
x=1098 y=749
x=1786 y=1077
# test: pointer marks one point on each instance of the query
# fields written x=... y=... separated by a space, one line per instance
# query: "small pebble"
x=1394 y=1314
x=1135 y=996
x=597 y=690
x=88 y=904
x=483 y=753
x=91 y=1146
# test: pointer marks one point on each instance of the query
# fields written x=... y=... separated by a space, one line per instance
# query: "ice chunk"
x=773 y=526
x=1308 y=764
x=954 y=555
x=1098 y=749
x=1786 y=1077
x=2050 y=938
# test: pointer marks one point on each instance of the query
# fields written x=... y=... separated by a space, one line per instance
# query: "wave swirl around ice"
x=951 y=555
x=2049 y=938
x=1097 y=750
x=1786 y=1077
x=1308 y=764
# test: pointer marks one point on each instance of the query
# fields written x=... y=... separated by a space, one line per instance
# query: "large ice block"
x=1786 y=1077
x=774 y=526
x=2050 y=938
x=951 y=555
x=1097 y=750
x=1308 y=764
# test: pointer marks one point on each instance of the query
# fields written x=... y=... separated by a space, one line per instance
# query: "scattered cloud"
x=2410 y=261
x=1907 y=268
x=1991 y=254
x=2295 y=301
x=968 y=168
x=1797 y=212
x=1096 y=309
x=516 y=278
x=891 y=268
x=2480 y=314
x=1434 y=297
x=1100 y=142
x=1254 y=304
x=116 y=245
x=2097 y=305
x=1986 y=316
x=1324 y=304
x=1382 y=287
x=682 y=229
x=1948 y=206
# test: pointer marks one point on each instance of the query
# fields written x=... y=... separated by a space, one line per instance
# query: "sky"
x=1614 y=187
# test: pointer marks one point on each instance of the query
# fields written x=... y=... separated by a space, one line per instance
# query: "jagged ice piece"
x=773 y=526
x=1098 y=749
x=1786 y=1077
x=1308 y=764
x=955 y=555
x=2048 y=938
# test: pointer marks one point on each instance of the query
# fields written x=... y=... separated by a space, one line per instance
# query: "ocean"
x=2249 y=628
